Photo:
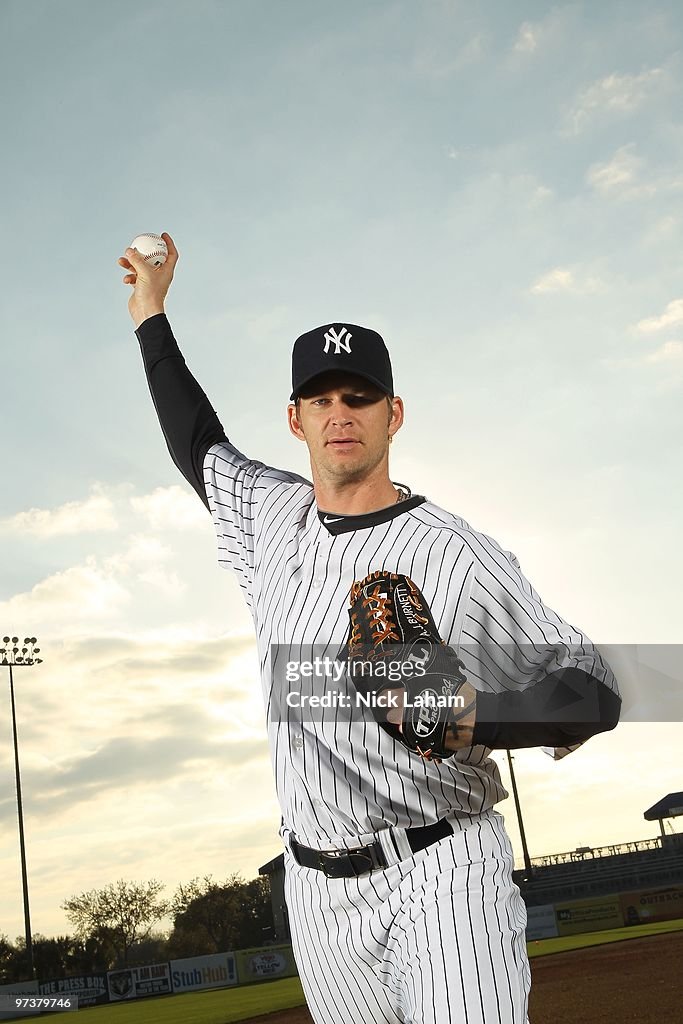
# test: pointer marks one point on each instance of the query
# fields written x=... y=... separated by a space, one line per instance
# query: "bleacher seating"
x=601 y=871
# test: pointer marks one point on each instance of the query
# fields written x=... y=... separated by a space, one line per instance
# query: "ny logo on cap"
x=338 y=340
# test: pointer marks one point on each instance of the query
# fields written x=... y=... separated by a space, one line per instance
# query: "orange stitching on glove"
x=381 y=621
x=355 y=638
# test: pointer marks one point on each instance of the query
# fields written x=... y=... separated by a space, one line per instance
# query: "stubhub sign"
x=214 y=970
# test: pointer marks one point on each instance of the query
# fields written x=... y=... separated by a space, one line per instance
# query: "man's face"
x=346 y=422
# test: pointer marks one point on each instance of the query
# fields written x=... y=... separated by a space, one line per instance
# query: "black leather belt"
x=348 y=863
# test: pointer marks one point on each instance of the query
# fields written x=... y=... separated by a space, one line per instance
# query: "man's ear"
x=294 y=421
x=396 y=418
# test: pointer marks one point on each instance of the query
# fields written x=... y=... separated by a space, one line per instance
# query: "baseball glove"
x=403 y=671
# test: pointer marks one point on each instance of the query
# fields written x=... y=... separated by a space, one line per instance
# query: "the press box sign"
x=19 y=989
x=541 y=923
x=135 y=982
x=91 y=989
x=215 y=970
x=262 y=964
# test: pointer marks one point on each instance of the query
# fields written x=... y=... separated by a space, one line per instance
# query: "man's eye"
x=351 y=400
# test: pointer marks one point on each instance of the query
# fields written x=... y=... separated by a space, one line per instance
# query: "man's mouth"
x=342 y=442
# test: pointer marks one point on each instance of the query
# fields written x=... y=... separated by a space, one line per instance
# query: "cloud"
x=195 y=752
x=94 y=514
x=131 y=713
x=140 y=761
x=158 y=656
x=614 y=95
x=557 y=280
x=441 y=60
x=617 y=176
x=669 y=356
x=171 y=508
x=626 y=176
x=662 y=229
x=143 y=561
x=556 y=30
x=461 y=152
x=105 y=577
x=69 y=600
x=670 y=351
x=563 y=279
x=470 y=53
x=527 y=38
x=76 y=595
x=671 y=317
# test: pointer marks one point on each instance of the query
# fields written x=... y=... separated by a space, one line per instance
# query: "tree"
x=56 y=957
x=151 y=950
x=213 y=917
x=7 y=960
x=121 y=915
x=257 y=922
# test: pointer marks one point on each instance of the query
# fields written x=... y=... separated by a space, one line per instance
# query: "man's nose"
x=341 y=413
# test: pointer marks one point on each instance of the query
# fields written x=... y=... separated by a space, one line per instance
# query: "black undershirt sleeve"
x=188 y=420
x=567 y=707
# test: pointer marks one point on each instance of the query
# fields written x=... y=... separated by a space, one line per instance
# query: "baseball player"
x=398 y=866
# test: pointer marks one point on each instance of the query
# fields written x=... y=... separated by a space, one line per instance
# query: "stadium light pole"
x=14 y=657
x=527 y=859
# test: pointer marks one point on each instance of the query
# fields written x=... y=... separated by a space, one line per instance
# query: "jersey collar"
x=335 y=523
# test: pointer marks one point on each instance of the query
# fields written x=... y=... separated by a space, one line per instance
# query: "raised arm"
x=188 y=421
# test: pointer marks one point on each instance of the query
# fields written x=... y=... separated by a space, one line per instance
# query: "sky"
x=497 y=189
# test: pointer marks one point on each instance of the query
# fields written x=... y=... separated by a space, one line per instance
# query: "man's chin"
x=348 y=472
x=350 y=468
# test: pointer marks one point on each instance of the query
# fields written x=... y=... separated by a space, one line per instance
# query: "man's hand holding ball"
x=150 y=260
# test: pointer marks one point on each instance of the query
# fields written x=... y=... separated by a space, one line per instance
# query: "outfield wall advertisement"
x=644 y=907
x=135 y=982
x=215 y=970
x=541 y=923
x=588 y=915
x=266 y=963
x=91 y=989
x=18 y=988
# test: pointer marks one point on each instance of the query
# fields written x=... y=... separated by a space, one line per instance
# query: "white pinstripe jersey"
x=339 y=782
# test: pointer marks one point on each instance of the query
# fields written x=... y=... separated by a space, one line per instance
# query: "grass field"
x=226 y=1005
x=215 y=1006
x=542 y=947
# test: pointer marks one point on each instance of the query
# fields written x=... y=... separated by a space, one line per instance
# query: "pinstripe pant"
x=436 y=938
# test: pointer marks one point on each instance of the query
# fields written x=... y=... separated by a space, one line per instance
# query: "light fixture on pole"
x=15 y=657
x=522 y=834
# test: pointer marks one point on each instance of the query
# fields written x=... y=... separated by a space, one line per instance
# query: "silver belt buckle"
x=373 y=854
x=326 y=859
x=376 y=855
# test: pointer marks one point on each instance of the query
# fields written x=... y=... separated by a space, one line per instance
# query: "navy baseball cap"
x=345 y=347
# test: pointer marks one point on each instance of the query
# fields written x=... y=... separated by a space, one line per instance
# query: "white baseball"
x=152 y=247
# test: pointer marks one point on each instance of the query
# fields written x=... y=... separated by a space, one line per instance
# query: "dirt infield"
x=637 y=981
